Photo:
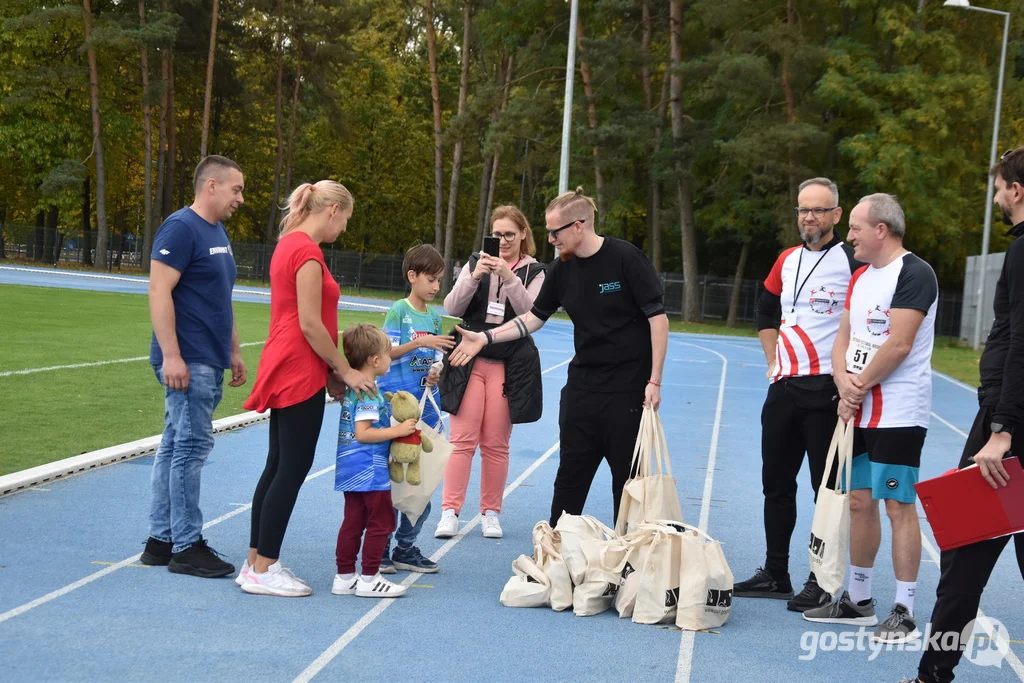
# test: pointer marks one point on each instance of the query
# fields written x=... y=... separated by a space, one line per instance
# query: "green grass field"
x=47 y=416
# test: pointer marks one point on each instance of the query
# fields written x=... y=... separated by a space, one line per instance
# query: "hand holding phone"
x=492 y=245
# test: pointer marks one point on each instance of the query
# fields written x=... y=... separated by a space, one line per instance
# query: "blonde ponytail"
x=310 y=198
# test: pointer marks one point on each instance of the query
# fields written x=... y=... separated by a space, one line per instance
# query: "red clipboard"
x=963 y=508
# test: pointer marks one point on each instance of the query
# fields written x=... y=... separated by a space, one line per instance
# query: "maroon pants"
x=372 y=512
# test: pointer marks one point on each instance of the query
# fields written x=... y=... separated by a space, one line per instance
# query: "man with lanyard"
x=996 y=433
x=798 y=317
x=616 y=303
x=882 y=367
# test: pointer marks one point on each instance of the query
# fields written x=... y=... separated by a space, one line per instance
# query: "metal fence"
x=357 y=271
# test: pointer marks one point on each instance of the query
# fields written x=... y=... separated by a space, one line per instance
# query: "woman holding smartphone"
x=502 y=386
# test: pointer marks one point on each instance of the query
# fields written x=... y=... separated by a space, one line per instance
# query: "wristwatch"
x=998 y=428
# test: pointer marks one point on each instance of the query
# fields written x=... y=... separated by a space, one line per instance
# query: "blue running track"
x=75 y=605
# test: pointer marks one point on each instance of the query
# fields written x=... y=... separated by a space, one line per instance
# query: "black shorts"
x=888 y=461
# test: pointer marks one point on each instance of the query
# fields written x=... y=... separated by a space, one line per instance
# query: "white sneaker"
x=378 y=587
x=490 y=525
x=344 y=586
x=277 y=580
x=448 y=526
x=243 y=574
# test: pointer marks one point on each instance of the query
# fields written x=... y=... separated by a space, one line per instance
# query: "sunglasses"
x=554 y=233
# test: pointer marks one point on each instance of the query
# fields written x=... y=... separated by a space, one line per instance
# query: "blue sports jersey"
x=362 y=466
x=402 y=324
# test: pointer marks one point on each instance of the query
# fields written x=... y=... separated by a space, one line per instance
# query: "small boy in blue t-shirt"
x=361 y=470
x=416 y=344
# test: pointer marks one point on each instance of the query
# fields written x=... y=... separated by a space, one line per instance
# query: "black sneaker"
x=811 y=597
x=763 y=585
x=199 y=559
x=157 y=553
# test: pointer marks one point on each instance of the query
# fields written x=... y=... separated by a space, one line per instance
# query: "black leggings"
x=293 y=435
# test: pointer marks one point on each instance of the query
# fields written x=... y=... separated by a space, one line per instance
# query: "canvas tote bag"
x=412 y=500
x=651 y=493
x=658 y=591
x=605 y=560
x=829 y=546
x=705 y=582
x=529 y=587
x=639 y=544
x=548 y=545
x=572 y=530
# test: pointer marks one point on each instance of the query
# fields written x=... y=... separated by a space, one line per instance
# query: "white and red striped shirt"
x=904 y=398
x=811 y=286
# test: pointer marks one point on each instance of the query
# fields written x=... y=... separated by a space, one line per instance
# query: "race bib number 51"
x=859 y=354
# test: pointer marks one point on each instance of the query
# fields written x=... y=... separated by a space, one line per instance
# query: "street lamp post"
x=570 y=72
x=965 y=4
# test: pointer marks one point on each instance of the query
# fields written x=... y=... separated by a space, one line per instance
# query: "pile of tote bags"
x=652 y=568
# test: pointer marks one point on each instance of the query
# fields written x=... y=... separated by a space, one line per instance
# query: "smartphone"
x=492 y=245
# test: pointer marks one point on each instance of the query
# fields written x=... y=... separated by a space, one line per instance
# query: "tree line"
x=693 y=120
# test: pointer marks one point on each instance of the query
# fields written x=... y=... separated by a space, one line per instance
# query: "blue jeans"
x=406 y=532
x=174 y=514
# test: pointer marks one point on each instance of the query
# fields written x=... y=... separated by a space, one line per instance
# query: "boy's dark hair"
x=1010 y=167
x=211 y=166
x=360 y=341
x=423 y=258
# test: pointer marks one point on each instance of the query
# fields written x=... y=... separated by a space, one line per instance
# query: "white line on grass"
x=10 y=614
x=75 y=366
x=1001 y=645
x=353 y=632
x=685 y=662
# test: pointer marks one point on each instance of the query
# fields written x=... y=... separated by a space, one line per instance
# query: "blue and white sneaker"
x=411 y=559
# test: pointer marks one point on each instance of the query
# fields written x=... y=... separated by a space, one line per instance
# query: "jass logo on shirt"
x=610 y=287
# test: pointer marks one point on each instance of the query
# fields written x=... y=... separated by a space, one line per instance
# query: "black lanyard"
x=799 y=262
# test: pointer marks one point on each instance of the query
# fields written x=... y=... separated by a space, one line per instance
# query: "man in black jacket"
x=996 y=432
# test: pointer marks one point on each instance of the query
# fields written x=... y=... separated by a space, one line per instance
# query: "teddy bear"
x=406 y=450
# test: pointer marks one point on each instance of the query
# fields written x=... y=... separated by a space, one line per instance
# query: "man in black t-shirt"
x=616 y=303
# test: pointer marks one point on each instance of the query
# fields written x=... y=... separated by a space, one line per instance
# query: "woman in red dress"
x=299 y=360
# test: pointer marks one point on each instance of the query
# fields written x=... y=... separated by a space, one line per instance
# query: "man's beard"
x=812 y=241
x=1006 y=216
x=565 y=254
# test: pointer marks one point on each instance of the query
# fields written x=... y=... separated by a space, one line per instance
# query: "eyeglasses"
x=505 y=236
x=554 y=233
x=1007 y=153
x=819 y=212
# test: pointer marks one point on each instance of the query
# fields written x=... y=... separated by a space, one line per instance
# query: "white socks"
x=905 y=592
x=860 y=583
x=347 y=577
x=367 y=579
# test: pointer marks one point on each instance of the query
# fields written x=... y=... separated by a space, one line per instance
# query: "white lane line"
x=353 y=632
x=341 y=643
x=75 y=366
x=1010 y=656
x=684 y=664
x=10 y=614
x=956 y=382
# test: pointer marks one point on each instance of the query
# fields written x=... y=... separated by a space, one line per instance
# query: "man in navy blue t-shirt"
x=194 y=341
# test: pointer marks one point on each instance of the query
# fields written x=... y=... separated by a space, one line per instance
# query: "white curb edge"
x=19 y=481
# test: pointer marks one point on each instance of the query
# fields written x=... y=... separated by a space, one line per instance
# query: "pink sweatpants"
x=483 y=420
